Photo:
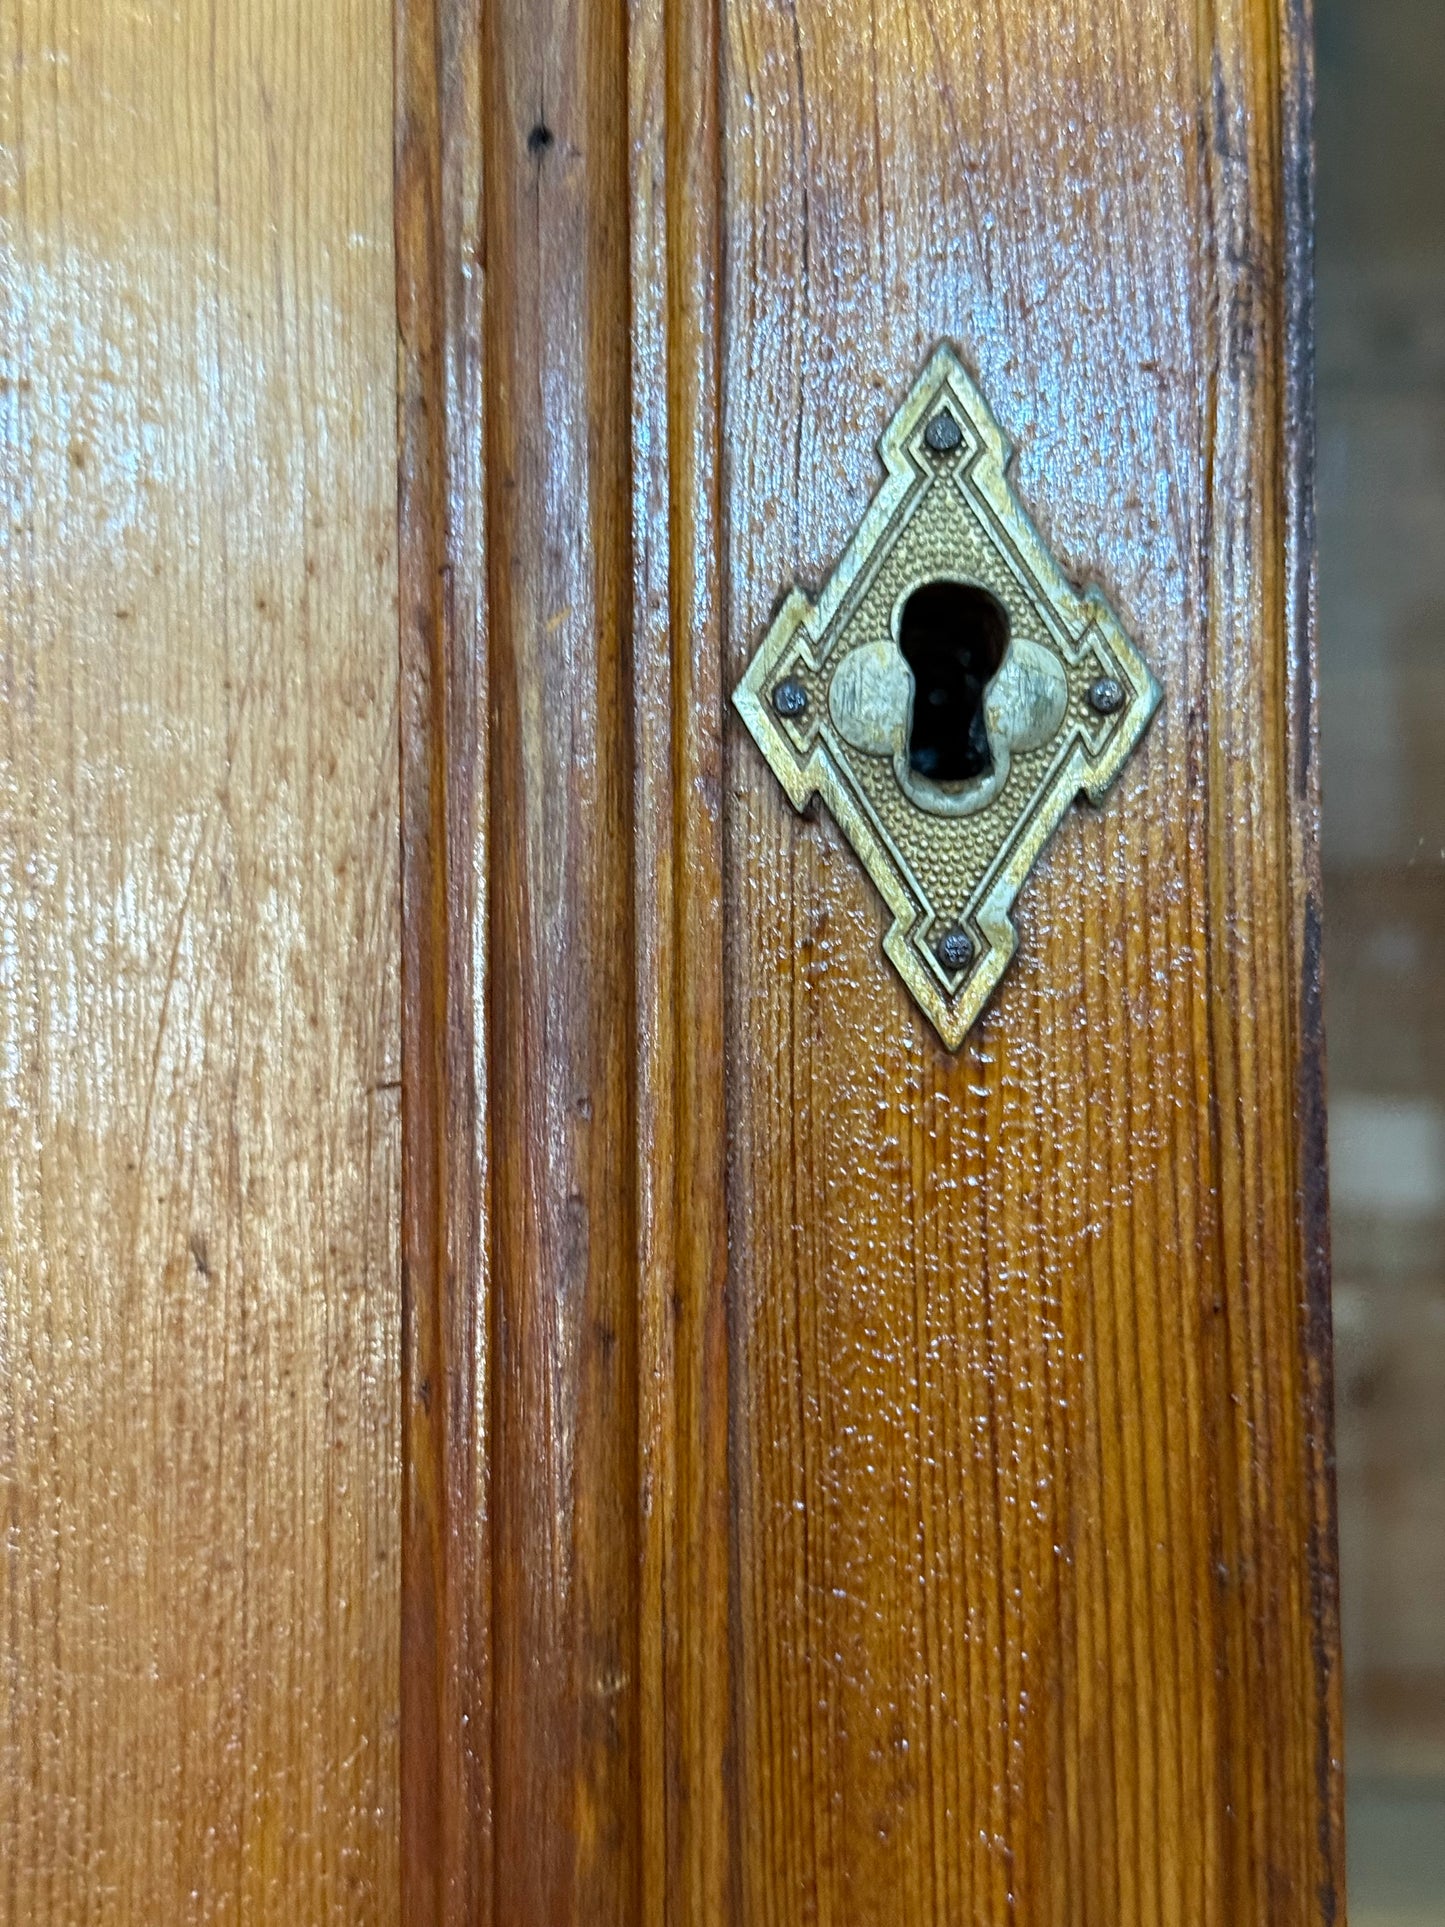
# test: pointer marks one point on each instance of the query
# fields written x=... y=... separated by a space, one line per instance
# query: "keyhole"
x=953 y=636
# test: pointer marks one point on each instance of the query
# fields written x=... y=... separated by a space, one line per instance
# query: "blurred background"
x=1381 y=317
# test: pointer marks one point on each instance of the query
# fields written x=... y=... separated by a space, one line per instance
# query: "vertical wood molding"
x=570 y=995
x=446 y=1756
x=680 y=706
x=561 y=1030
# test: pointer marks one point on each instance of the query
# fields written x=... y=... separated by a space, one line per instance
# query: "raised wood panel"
x=1022 y=1485
x=199 y=927
x=981 y=1565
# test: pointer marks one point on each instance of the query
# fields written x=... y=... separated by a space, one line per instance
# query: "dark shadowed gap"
x=953 y=636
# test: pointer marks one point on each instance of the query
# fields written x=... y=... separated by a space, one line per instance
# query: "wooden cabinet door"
x=849 y=1480
x=489 y=1233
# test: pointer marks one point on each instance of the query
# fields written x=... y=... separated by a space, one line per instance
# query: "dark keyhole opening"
x=953 y=636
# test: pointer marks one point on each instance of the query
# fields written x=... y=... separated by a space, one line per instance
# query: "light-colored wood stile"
x=199 y=1041
x=984 y=1567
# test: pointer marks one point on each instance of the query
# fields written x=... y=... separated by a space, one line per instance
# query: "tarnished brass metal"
x=829 y=697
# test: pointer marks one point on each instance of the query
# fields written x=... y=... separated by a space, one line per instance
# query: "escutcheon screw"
x=943 y=433
x=955 y=951
x=790 y=698
x=1106 y=695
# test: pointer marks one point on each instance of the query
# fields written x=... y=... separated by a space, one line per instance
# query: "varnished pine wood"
x=1023 y=1388
x=522 y=1350
x=670 y=1317
x=685 y=1788
x=982 y=1565
x=559 y=1025
x=1048 y=1395
x=446 y=1838
x=198 y=915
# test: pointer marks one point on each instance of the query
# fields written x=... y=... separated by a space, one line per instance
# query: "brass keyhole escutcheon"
x=948 y=695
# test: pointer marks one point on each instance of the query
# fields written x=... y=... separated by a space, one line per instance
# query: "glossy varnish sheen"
x=199 y=1039
x=1026 y=1426
x=840 y=1481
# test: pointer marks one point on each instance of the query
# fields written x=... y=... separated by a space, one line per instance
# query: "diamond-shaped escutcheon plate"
x=948 y=695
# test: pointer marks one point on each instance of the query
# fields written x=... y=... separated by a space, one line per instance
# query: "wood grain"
x=975 y=1409
x=198 y=913
x=1027 y=1409
x=686 y=1781
x=494 y=1644
x=522 y=1520
x=446 y=1832
x=560 y=1025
